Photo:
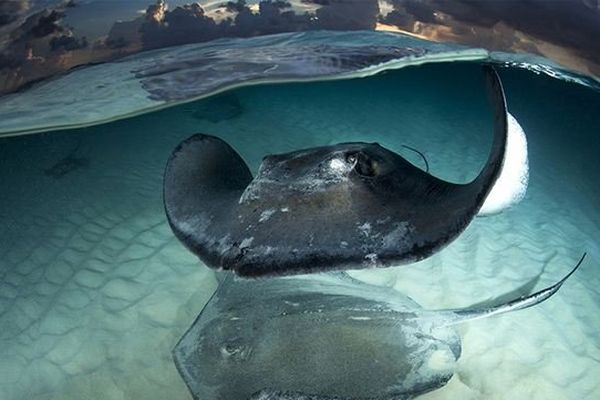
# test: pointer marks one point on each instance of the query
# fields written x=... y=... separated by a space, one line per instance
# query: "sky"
x=94 y=18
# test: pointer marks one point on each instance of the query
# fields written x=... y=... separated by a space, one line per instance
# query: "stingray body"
x=351 y=205
x=322 y=337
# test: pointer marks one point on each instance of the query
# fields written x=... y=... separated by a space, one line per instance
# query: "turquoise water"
x=95 y=291
x=156 y=79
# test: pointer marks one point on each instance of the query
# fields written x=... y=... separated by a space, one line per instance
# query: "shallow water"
x=95 y=290
x=151 y=80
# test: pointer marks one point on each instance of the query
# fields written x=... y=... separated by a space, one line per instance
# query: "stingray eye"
x=363 y=164
x=234 y=349
x=230 y=349
x=351 y=158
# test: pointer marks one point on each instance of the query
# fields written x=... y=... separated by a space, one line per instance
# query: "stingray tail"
x=454 y=317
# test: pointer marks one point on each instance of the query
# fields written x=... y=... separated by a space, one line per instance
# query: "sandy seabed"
x=95 y=290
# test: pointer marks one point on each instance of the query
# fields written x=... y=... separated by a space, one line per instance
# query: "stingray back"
x=318 y=336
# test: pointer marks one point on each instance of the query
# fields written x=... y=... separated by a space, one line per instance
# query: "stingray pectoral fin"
x=511 y=185
x=203 y=182
x=453 y=317
x=481 y=186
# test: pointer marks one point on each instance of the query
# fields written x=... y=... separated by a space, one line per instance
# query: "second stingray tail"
x=453 y=317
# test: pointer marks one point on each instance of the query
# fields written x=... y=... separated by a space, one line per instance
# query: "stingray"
x=67 y=165
x=350 y=205
x=321 y=337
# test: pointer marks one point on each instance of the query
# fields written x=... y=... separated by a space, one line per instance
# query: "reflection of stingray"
x=323 y=336
x=219 y=108
x=351 y=205
x=67 y=165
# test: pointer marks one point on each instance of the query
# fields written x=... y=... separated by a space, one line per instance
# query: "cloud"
x=36 y=49
x=67 y=43
x=420 y=11
x=571 y=24
x=46 y=24
x=348 y=15
x=190 y=23
x=568 y=23
x=11 y=10
x=185 y=24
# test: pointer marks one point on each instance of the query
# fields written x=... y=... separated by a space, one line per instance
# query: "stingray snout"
x=363 y=164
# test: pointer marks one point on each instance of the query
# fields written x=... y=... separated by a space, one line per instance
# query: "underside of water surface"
x=95 y=290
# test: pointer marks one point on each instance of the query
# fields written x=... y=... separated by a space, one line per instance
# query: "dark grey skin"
x=323 y=337
x=351 y=205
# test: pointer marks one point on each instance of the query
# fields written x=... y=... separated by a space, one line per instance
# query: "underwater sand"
x=95 y=290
